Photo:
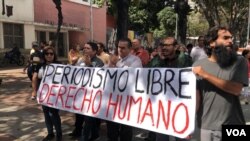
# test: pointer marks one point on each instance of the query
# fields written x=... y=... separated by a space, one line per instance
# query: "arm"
x=231 y=87
x=198 y=100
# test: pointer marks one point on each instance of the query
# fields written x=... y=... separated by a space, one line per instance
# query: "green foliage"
x=99 y=2
x=167 y=19
x=137 y=19
x=197 y=24
x=142 y=15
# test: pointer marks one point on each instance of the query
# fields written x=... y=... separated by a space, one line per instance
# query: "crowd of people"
x=221 y=75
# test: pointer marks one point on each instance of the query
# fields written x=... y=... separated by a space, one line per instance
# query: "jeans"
x=52 y=118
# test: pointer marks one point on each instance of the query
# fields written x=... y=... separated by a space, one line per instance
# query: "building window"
x=13 y=33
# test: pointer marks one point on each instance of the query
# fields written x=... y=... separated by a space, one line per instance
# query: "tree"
x=3 y=7
x=142 y=15
x=197 y=24
x=167 y=19
x=182 y=9
x=122 y=18
x=119 y=9
x=231 y=13
x=60 y=19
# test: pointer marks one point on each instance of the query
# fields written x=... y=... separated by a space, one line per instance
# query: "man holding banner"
x=169 y=58
x=116 y=130
x=221 y=78
x=92 y=124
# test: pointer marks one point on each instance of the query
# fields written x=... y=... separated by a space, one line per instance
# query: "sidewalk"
x=21 y=119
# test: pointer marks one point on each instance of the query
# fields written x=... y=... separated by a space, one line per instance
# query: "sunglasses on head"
x=49 y=53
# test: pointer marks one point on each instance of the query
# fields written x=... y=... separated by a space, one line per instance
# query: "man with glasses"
x=169 y=57
x=199 y=52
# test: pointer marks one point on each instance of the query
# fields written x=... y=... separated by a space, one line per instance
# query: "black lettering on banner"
x=57 y=72
x=73 y=76
x=91 y=78
x=136 y=82
x=78 y=76
x=111 y=76
x=171 y=74
x=181 y=83
x=155 y=82
x=148 y=79
x=66 y=73
x=49 y=67
x=235 y=132
x=88 y=70
x=101 y=77
x=126 y=82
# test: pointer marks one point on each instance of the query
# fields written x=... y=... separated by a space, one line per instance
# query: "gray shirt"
x=217 y=106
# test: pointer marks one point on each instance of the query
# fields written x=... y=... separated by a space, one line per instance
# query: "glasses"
x=49 y=53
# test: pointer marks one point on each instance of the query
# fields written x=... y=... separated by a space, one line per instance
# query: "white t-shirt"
x=198 y=53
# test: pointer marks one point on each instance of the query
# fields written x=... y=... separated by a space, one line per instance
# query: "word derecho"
x=159 y=99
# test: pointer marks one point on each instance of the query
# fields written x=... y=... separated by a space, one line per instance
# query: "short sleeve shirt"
x=217 y=106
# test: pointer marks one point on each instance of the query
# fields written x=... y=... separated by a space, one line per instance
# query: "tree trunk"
x=122 y=18
x=182 y=8
x=60 y=20
x=3 y=6
x=209 y=9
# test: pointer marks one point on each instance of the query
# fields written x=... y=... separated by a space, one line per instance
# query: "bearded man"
x=220 y=79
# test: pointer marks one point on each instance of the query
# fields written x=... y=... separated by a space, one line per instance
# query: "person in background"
x=199 y=51
x=189 y=48
x=15 y=52
x=245 y=90
x=36 y=58
x=248 y=44
x=73 y=55
x=52 y=43
x=42 y=45
x=182 y=48
x=51 y=115
x=220 y=79
x=101 y=54
x=113 y=59
x=140 y=52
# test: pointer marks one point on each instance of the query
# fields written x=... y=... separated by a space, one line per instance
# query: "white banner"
x=158 y=99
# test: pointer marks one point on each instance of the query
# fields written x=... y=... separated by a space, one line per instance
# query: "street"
x=21 y=119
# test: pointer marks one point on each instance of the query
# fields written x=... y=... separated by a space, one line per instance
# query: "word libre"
x=157 y=99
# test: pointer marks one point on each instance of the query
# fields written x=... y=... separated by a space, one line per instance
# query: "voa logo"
x=236 y=132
